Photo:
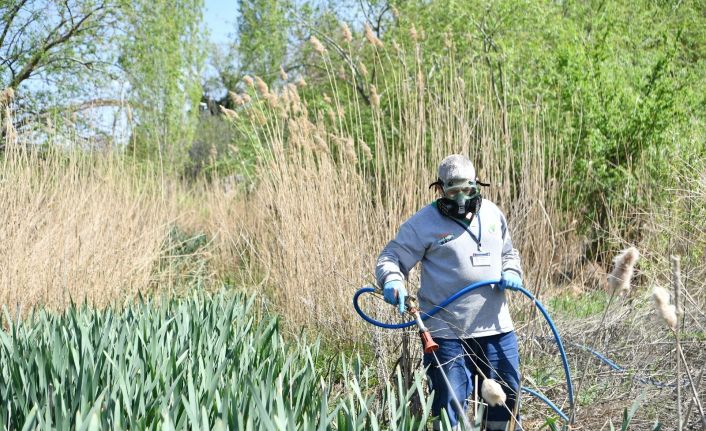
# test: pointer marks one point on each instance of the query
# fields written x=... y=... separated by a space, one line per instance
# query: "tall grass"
x=336 y=180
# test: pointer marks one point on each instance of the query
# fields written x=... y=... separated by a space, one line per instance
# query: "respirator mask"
x=460 y=198
x=459 y=187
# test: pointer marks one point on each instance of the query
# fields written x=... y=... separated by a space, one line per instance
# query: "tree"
x=44 y=37
x=162 y=57
x=263 y=28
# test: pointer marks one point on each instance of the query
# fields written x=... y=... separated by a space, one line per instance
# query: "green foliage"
x=59 y=42
x=621 y=81
x=199 y=363
x=263 y=27
x=163 y=58
x=584 y=305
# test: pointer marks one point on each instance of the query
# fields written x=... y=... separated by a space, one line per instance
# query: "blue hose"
x=471 y=287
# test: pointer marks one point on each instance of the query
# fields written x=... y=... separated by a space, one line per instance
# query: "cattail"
x=318 y=46
x=346 y=33
x=413 y=33
x=248 y=81
x=371 y=37
x=235 y=98
x=229 y=113
x=261 y=86
x=366 y=150
x=300 y=82
x=623 y=264
x=374 y=96
x=493 y=393
x=282 y=74
x=363 y=70
x=667 y=311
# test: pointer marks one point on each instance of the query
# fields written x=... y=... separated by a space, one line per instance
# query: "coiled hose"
x=471 y=287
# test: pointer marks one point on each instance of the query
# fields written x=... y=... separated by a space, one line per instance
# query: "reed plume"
x=346 y=33
x=493 y=393
x=318 y=46
x=372 y=38
x=623 y=269
x=667 y=311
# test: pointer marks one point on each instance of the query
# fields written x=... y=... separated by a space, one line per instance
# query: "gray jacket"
x=452 y=258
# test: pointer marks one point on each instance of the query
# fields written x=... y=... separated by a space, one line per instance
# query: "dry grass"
x=74 y=227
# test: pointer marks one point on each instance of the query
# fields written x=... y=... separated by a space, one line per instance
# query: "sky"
x=219 y=19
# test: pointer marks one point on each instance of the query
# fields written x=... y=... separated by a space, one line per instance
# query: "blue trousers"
x=497 y=356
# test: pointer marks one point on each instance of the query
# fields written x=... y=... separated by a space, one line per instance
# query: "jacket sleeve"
x=399 y=255
x=510 y=255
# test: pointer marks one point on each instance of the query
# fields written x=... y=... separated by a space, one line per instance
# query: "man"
x=460 y=239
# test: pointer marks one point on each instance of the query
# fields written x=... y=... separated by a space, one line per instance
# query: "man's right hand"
x=395 y=293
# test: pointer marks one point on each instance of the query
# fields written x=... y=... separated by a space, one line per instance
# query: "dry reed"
x=76 y=229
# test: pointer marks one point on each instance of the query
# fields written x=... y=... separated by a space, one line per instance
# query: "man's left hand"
x=510 y=280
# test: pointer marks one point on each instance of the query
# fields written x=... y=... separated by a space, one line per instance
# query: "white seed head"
x=6 y=96
x=374 y=96
x=493 y=393
x=623 y=269
x=372 y=38
x=667 y=311
x=363 y=70
x=261 y=86
x=229 y=113
x=349 y=150
x=235 y=98
x=346 y=33
x=318 y=46
x=366 y=150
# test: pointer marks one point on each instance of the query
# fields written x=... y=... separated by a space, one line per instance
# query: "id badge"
x=480 y=259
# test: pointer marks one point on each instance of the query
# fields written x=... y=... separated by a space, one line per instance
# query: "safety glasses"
x=465 y=188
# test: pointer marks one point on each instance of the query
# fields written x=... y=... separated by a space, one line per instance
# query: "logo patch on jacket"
x=444 y=238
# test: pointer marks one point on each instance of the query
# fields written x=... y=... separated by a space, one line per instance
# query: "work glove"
x=510 y=280
x=394 y=293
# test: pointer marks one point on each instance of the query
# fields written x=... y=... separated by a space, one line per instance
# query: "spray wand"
x=430 y=346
